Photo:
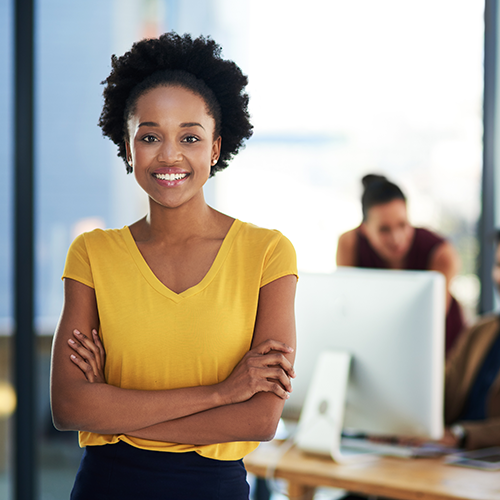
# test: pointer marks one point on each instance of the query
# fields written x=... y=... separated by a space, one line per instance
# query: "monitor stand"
x=321 y=420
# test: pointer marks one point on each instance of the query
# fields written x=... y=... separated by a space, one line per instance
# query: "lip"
x=170 y=171
x=398 y=251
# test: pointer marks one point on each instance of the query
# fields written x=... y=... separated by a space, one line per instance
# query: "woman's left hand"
x=89 y=356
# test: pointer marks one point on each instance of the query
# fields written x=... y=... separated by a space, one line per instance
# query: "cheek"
x=379 y=242
x=383 y=238
x=375 y=237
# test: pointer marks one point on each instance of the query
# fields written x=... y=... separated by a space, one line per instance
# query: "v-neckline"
x=150 y=276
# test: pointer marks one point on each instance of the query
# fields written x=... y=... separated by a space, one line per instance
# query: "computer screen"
x=392 y=323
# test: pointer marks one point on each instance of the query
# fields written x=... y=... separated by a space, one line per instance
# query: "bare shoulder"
x=347 y=248
x=445 y=259
x=348 y=238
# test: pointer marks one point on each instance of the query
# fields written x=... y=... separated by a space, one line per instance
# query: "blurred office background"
x=338 y=89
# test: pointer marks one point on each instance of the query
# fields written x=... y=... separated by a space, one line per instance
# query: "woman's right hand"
x=263 y=369
x=89 y=356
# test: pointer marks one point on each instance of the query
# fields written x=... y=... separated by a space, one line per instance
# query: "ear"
x=128 y=150
x=216 y=150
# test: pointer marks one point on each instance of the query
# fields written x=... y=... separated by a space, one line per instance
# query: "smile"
x=170 y=177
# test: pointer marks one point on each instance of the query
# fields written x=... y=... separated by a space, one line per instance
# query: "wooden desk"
x=398 y=478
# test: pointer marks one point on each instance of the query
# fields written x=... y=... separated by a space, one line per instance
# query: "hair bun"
x=377 y=191
x=370 y=179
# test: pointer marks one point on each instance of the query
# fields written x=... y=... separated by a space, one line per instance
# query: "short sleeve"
x=281 y=261
x=77 y=265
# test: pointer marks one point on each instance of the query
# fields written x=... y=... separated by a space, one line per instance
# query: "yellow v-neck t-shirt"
x=156 y=339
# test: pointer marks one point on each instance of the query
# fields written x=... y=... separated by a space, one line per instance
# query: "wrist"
x=221 y=395
x=460 y=434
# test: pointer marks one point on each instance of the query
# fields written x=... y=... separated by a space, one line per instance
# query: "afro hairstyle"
x=195 y=64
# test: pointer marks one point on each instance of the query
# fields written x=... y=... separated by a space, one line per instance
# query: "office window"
x=6 y=179
x=342 y=89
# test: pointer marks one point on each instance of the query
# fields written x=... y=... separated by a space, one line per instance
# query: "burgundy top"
x=418 y=259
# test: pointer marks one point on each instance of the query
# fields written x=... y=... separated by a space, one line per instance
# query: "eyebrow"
x=149 y=124
x=183 y=125
x=192 y=124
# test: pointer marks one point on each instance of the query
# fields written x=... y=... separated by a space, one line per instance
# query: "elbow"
x=62 y=417
x=267 y=431
x=69 y=410
x=61 y=424
x=266 y=426
x=73 y=408
x=267 y=436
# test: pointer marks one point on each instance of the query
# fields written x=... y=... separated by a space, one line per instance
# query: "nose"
x=169 y=152
x=395 y=237
x=398 y=237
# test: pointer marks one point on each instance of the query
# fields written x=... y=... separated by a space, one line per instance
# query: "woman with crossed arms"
x=174 y=351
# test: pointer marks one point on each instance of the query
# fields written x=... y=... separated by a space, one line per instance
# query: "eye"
x=190 y=139
x=149 y=138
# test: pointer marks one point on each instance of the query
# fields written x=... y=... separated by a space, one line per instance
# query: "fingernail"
x=94 y=332
x=77 y=332
x=73 y=356
x=71 y=341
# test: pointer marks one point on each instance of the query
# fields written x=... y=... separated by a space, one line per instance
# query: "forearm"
x=252 y=420
x=482 y=434
x=106 y=409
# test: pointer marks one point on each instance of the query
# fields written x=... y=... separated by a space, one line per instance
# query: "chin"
x=395 y=255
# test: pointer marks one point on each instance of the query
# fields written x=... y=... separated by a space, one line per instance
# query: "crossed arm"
x=244 y=407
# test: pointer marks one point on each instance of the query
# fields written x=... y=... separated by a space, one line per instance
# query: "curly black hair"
x=195 y=65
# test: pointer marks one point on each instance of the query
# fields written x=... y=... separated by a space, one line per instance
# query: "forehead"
x=392 y=211
x=170 y=98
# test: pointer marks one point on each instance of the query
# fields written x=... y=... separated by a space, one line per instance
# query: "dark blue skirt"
x=121 y=472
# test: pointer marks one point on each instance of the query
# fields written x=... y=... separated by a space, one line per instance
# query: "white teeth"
x=170 y=177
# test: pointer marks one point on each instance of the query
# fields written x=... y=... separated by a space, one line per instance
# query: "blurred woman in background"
x=386 y=240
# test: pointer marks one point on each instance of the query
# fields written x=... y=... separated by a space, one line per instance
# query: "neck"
x=396 y=264
x=179 y=223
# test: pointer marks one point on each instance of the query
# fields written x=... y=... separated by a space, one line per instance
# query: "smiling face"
x=171 y=145
x=388 y=230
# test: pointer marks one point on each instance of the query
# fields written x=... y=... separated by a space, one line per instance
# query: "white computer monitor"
x=392 y=323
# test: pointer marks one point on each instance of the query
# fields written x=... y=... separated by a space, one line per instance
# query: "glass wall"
x=342 y=89
x=338 y=89
x=6 y=296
